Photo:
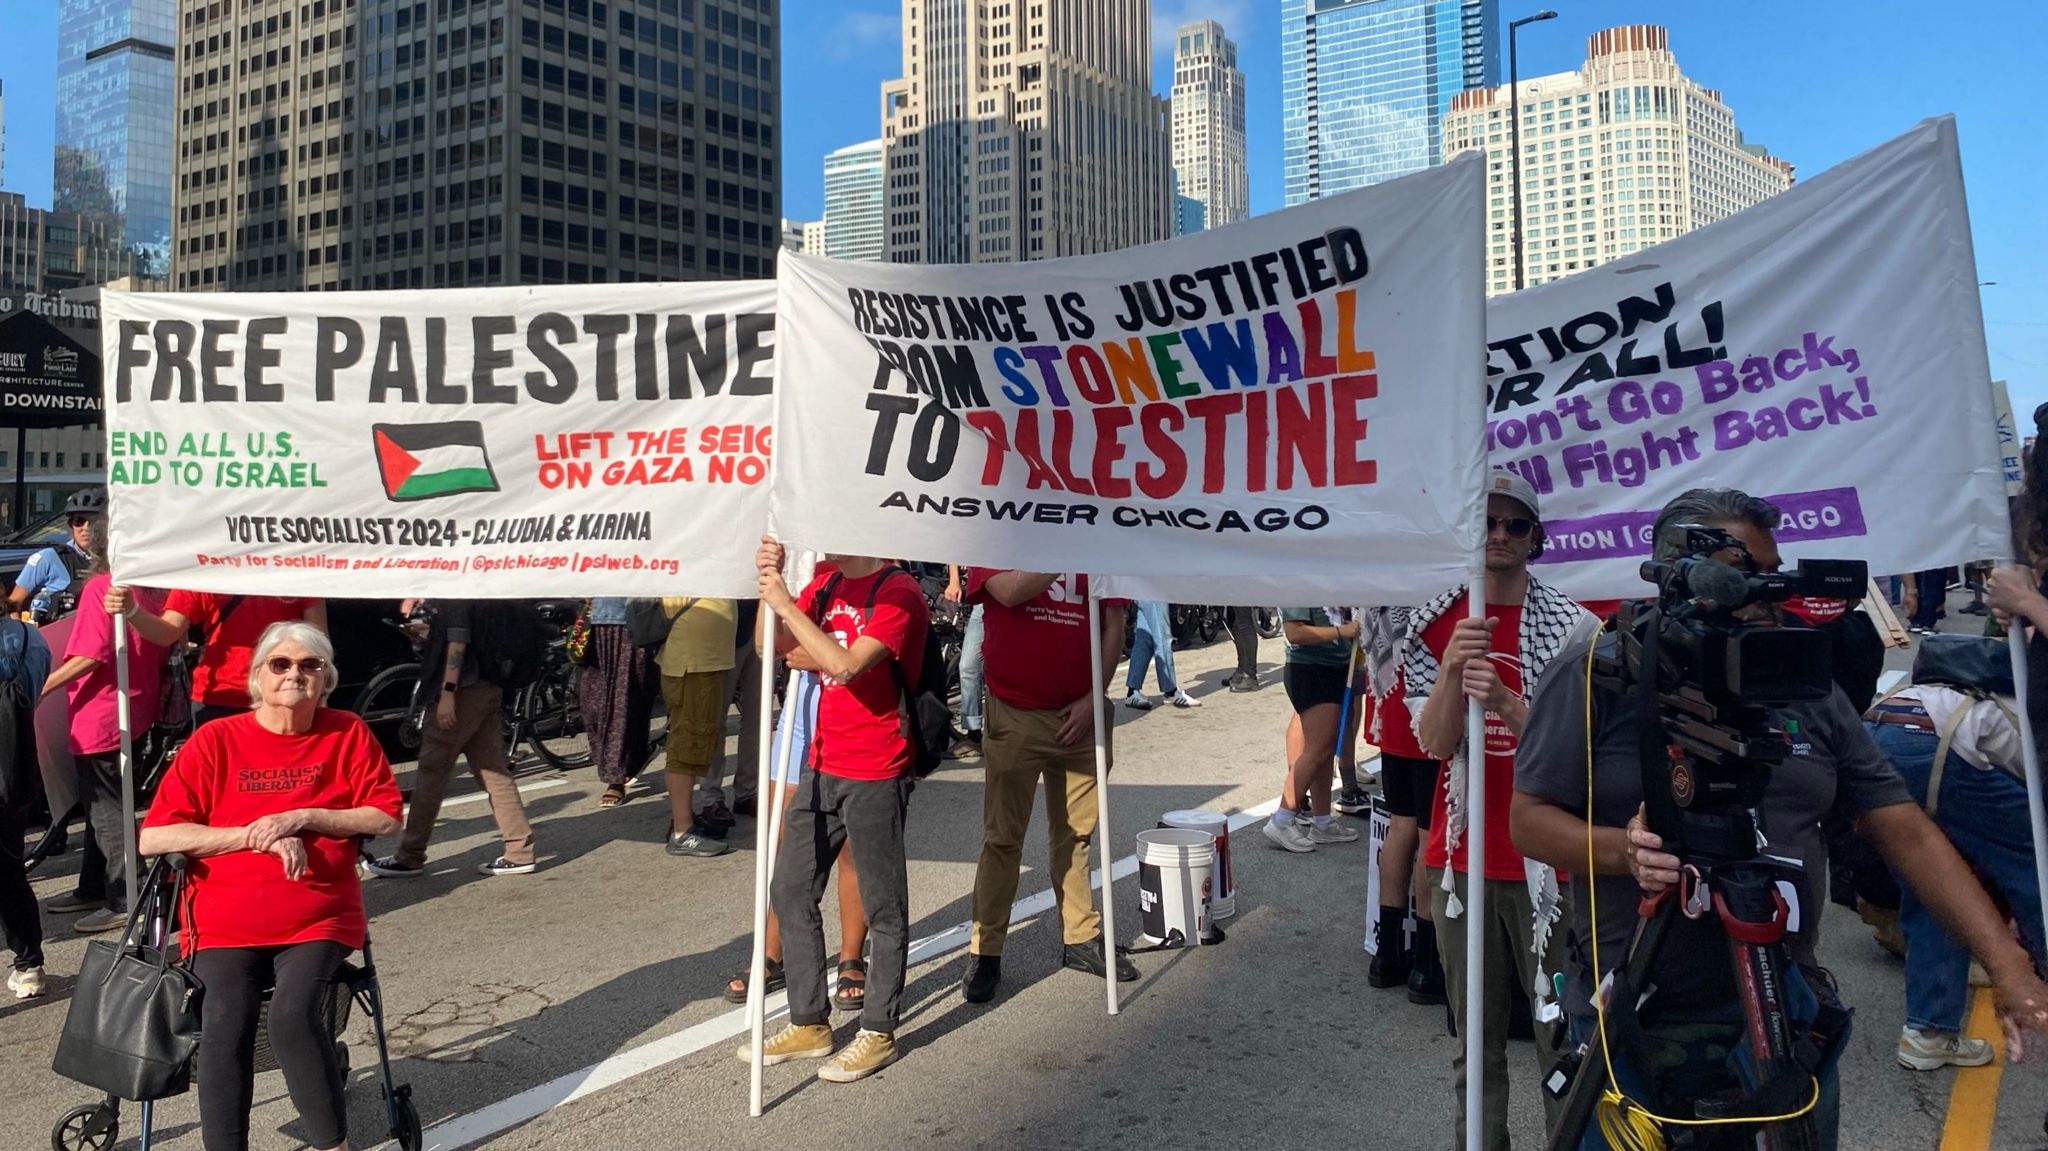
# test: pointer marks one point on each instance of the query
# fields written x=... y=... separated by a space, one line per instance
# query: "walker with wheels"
x=97 y=1126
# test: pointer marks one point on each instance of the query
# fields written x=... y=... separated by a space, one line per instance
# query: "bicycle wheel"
x=1268 y=623
x=390 y=704
x=549 y=716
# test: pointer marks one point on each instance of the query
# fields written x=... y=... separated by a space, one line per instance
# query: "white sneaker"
x=1136 y=701
x=1332 y=832
x=1933 y=1050
x=1183 y=699
x=1289 y=836
x=26 y=983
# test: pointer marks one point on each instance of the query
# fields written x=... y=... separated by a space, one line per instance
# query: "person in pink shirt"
x=87 y=676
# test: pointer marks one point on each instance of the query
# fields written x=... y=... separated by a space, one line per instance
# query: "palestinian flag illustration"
x=427 y=461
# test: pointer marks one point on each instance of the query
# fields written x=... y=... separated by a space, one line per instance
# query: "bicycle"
x=545 y=715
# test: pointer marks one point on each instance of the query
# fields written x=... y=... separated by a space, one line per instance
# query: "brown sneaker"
x=869 y=1052
x=809 y=1041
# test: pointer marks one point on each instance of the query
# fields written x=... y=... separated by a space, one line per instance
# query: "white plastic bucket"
x=1223 y=889
x=1174 y=866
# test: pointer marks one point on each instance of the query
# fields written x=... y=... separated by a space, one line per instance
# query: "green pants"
x=1510 y=935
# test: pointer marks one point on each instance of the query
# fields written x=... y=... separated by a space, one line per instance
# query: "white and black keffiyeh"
x=1550 y=621
x=1381 y=639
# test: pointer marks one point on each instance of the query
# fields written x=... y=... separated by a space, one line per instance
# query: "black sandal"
x=858 y=991
x=776 y=982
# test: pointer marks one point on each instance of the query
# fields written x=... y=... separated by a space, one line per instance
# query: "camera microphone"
x=1715 y=586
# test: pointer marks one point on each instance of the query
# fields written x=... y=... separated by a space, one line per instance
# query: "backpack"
x=927 y=720
x=511 y=642
x=647 y=625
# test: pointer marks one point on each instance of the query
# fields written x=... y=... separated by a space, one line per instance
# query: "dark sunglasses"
x=80 y=521
x=1517 y=527
x=311 y=665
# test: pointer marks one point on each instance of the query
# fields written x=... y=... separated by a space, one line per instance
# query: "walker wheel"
x=407 y=1129
x=93 y=1127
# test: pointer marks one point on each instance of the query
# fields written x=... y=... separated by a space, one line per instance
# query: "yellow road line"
x=1973 y=1101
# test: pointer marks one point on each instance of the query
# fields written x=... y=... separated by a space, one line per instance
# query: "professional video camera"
x=1708 y=679
x=1718 y=678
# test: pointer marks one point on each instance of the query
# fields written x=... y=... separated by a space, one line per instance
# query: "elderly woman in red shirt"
x=269 y=805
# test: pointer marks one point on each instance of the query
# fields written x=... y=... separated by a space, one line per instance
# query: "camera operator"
x=1693 y=1019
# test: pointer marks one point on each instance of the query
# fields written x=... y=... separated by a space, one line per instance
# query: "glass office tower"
x=1365 y=85
x=116 y=109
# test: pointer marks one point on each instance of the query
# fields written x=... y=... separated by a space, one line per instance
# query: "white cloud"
x=860 y=33
x=1168 y=15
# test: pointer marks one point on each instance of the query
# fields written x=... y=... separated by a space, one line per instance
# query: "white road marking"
x=524 y=789
x=479 y=1125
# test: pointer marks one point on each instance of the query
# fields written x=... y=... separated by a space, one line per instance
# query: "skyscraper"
x=1624 y=153
x=1365 y=85
x=116 y=117
x=1208 y=123
x=1024 y=130
x=345 y=144
x=854 y=216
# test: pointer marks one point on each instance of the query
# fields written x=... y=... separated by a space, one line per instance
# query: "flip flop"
x=840 y=996
x=738 y=994
x=613 y=796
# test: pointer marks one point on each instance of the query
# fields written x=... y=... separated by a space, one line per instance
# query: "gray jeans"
x=830 y=811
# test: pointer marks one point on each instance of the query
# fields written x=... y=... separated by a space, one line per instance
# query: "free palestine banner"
x=1823 y=349
x=499 y=442
x=1288 y=394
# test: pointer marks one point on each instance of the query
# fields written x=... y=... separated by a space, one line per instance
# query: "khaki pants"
x=1509 y=934
x=479 y=737
x=1019 y=748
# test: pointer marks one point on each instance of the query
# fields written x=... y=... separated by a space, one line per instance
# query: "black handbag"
x=133 y=1025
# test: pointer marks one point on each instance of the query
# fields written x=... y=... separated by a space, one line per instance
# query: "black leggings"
x=234 y=978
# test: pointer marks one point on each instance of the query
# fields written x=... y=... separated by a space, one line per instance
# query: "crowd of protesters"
x=1558 y=770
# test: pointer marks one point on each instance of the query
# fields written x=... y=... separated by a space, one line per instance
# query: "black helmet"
x=87 y=501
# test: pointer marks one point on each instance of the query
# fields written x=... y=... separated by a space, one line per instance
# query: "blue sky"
x=1816 y=81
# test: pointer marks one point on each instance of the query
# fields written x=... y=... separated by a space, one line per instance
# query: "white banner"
x=1287 y=394
x=1824 y=350
x=603 y=439
x=2009 y=450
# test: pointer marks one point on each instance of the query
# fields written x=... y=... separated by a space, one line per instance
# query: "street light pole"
x=1515 y=128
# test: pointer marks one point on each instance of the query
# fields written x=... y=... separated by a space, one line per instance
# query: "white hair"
x=307 y=636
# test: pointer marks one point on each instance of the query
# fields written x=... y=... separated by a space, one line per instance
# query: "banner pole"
x=129 y=870
x=2037 y=810
x=1100 y=696
x=1475 y=892
x=765 y=824
x=1344 y=711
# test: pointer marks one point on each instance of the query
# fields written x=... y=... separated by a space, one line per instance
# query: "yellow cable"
x=1626 y=1124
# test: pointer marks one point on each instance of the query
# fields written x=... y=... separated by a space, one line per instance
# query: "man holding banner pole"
x=1043 y=723
x=1488 y=659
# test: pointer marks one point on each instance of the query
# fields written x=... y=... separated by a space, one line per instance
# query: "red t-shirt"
x=1503 y=862
x=860 y=732
x=1397 y=726
x=233 y=772
x=1034 y=656
x=222 y=677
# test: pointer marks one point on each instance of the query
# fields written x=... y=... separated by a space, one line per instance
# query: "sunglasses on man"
x=1516 y=527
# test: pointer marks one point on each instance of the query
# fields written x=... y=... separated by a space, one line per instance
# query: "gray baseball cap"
x=1509 y=483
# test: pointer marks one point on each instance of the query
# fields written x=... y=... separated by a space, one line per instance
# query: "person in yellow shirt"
x=694 y=662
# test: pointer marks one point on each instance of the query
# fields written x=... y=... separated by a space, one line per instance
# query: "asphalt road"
x=613 y=957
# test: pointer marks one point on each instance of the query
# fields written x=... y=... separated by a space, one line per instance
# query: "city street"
x=581 y=1006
